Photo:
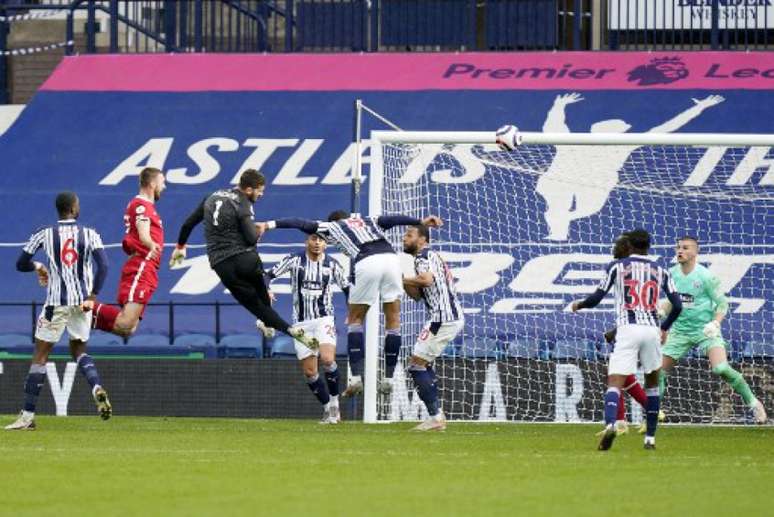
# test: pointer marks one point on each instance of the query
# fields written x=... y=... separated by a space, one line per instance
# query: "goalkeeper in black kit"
x=231 y=236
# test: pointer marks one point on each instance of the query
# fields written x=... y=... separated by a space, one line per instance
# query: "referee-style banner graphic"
x=99 y=120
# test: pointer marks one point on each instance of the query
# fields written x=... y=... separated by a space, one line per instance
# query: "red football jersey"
x=139 y=209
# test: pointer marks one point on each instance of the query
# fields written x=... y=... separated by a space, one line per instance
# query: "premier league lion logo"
x=664 y=70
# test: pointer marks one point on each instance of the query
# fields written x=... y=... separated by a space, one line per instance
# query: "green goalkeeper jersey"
x=702 y=298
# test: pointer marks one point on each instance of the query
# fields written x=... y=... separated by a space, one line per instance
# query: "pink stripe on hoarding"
x=406 y=72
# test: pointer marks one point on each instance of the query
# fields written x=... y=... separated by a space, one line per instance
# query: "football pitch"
x=197 y=466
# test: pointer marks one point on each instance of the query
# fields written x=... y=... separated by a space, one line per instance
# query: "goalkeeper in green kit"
x=704 y=307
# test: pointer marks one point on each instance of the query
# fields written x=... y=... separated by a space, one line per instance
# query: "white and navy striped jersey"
x=69 y=248
x=310 y=282
x=638 y=283
x=440 y=296
x=356 y=236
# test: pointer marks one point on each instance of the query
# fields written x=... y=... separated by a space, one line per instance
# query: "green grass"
x=194 y=466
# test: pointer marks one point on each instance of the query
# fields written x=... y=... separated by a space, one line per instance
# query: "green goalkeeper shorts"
x=679 y=343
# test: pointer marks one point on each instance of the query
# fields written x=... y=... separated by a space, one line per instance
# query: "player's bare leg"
x=32 y=386
x=128 y=319
x=355 y=347
x=719 y=362
x=392 y=343
x=89 y=370
x=427 y=388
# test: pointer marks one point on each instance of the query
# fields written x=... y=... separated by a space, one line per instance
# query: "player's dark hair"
x=622 y=247
x=65 y=202
x=640 y=240
x=251 y=178
x=689 y=238
x=423 y=231
x=337 y=215
x=147 y=175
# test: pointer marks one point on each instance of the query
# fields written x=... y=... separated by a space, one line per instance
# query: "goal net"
x=529 y=231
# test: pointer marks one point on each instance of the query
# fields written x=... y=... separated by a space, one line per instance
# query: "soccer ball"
x=508 y=137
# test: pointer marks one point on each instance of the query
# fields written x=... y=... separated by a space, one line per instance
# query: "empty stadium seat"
x=14 y=340
x=282 y=346
x=573 y=349
x=241 y=346
x=525 y=348
x=195 y=340
x=149 y=341
x=100 y=339
x=480 y=348
x=754 y=349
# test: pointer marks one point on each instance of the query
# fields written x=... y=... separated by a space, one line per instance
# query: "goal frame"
x=376 y=181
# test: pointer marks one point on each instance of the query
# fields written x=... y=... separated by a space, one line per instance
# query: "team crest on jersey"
x=697 y=284
x=140 y=209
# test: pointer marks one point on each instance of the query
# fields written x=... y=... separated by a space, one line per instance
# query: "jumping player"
x=312 y=275
x=72 y=252
x=231 y=236
x=144 y=243
x=638 y=282
x=377 y=277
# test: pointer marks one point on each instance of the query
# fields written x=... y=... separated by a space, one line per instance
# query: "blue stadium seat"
x=204 y=343
x=573 y=349
x=754 y=349
x=735 y=350
x=282 y=346
x=480 y=348
x=7 y=340
x=241 y=346
x=104 y=339
x=525 y=348
x=195 y=340
x=149 y=341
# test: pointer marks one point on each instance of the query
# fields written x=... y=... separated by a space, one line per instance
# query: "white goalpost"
x=529 y=231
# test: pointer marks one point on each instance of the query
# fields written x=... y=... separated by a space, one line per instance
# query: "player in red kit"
x=144 y=243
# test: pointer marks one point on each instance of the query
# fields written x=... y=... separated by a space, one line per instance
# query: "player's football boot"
x=267 y=332
x=385 y=386
x=650 y=443
x=621 y=427
x=25 y=422
x=334 y=413
x=309 y=341
x=434 y=423
x=355 y=387
x=759 y=412
x=608 y=436
x=104 y=408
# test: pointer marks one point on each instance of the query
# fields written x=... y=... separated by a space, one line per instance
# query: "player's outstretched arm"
x=305 y=225
x=196 y=217
x=604 y=287
x=391 y=221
